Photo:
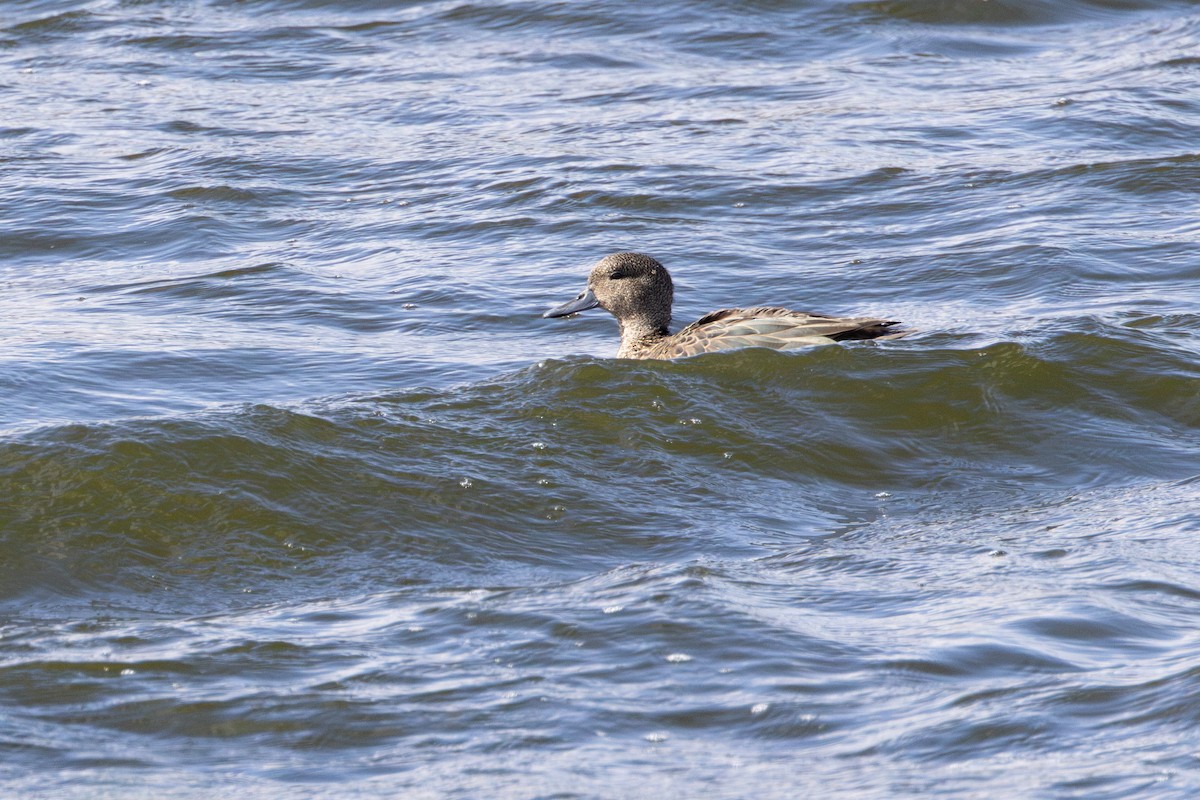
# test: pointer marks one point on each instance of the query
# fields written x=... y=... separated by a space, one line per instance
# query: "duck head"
x=633 y=287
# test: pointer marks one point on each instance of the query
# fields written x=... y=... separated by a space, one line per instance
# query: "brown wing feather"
x=767 y=326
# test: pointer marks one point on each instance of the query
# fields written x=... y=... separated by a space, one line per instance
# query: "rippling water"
x=300 y=497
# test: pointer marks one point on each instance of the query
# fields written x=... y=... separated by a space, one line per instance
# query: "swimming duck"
x=637 y=290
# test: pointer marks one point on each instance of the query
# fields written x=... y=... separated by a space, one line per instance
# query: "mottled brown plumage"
x=637 y=290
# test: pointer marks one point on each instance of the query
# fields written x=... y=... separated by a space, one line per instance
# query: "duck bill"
x=585 y=301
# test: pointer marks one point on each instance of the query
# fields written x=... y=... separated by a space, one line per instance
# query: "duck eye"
x=616 y=276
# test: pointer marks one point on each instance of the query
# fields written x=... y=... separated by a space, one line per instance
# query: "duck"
x=637 y=290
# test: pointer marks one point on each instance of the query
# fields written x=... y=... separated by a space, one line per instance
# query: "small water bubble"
x=543 y=482
x=539 y=445
x=613 y=609
x=882 y=495
x=727 y=455
x=415 y=628
x=656 y=737
x=739 y=205
x=997 y=553
x=472 y=615
x=759 y=708
x=143 y=83
x=678 y=658
x=127 y=671
x=466 y=483
x=409 y=306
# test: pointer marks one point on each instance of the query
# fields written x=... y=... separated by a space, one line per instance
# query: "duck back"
x=767 y=326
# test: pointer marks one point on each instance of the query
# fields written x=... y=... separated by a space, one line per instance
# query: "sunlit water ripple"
x=300 y=497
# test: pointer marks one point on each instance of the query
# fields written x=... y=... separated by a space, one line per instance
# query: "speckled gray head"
x=633 y=287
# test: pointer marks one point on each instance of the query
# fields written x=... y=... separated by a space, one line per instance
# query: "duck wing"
x=776 y=328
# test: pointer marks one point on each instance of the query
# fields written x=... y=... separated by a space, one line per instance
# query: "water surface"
x=300 y=497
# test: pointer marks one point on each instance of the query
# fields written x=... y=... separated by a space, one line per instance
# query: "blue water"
x=300 y=496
